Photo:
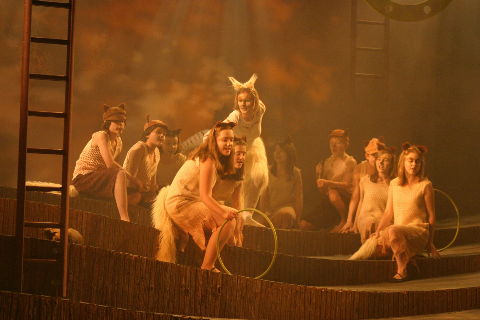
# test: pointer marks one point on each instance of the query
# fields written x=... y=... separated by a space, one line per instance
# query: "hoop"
x=458 y=218
x=275 y=239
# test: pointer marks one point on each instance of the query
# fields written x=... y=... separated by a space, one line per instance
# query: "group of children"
x=394 y=213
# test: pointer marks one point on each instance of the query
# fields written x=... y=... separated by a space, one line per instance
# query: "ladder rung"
x=38 y=76
x=46 y=151
x=369 y=75
x=51 y=4
x=43 y=188
x=370 y=49
x=50 y=261
x=49 y=40
x=46 y=114
x=378 y=23
x=40 y=224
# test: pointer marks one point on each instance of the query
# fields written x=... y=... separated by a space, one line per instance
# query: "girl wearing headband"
x=96 y=171
x=187 y=207
x=142 y=161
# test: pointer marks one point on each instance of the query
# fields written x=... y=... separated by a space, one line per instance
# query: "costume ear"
x=148 y=118
x=422 y=149
x=122 y=106
x=236 y=85
x=406 y=145
x=105 y=108
x=251 y=82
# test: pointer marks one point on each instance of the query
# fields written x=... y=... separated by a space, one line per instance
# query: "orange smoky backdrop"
x=171 y=59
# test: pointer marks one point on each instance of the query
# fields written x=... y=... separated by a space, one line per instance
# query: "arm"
x=429 y=197
x=237 y=201
x=207 y=170
x=101 y=140
x=355 y=203
x=132 y=164
x=387 y=217
x=298 y=195
x=347 y=182
x=264 y=202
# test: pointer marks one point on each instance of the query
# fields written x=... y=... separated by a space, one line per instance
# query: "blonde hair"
x=408 y=148
x=209 y=150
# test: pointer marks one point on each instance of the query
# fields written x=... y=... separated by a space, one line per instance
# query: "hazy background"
x=171 y=59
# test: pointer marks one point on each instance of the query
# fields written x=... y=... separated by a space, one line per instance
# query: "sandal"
x=214 y=269
x=400 y=278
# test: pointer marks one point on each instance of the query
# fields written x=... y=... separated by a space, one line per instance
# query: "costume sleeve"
x=234 y=116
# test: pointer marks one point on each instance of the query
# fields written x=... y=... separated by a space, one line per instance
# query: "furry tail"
x=167 y=249
x=256 y=165
x=367 y=250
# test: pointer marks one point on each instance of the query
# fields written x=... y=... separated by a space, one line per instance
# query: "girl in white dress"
x=283 y=199
x=248 y=114
x=407 y=227
x=187 y=207
x=373 y=191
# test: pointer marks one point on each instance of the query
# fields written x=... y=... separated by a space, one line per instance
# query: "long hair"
x=209 y=150
x=382 y=149
x=288 y=147
x=408 y=148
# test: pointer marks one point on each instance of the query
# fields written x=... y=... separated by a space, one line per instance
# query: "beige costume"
x=179 y=210
x=167 y=170
x=142 y=165
x=373 y=200
x=409 y=220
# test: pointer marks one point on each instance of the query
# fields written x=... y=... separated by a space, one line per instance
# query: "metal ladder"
x=25 y=113
x=355 y=48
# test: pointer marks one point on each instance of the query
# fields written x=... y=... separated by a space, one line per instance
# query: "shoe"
x=396 y=280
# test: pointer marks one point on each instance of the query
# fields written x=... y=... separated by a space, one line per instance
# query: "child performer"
x=96 y=172
x=283 y=199
x=171 y=158
x=142 y=161
x=248 y=114
x=187 y=207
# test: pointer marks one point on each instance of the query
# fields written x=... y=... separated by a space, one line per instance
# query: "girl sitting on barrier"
x=364 y=168
x=142 y=161
x=187 y=207
x=171 y=158
x=334 y=183
x=283 y=199
x=96 y=172
x=373 y=192
x=411 y=209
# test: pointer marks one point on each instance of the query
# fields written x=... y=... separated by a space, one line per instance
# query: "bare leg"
x=397 y=241
x=211 y=251
x=120 y=193
x=337 y=201
x=284 y=218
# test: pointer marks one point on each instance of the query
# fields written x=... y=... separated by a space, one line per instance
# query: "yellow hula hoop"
x=458 y=218
x=275 y=239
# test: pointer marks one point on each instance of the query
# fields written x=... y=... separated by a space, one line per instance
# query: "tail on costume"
x=167 y=249
x=367 y=250
x=258 y=165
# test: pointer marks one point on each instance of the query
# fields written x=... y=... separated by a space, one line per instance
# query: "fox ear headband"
x=250 y=84
x=407 y=145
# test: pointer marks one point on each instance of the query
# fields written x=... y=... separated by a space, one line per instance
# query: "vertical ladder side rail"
x=22 y=146
x=65 y=205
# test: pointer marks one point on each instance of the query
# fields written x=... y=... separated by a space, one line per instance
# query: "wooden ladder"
x=355 y=48
x=25 y=113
